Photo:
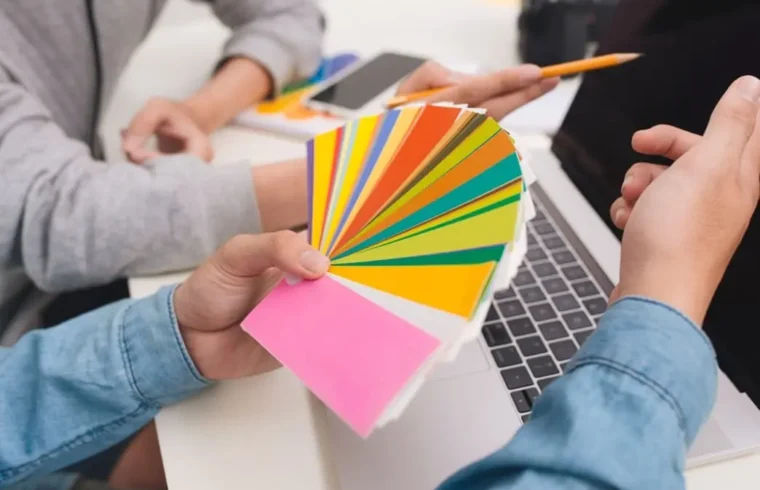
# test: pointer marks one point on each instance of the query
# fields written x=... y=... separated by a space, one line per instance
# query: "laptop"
x=473 y=406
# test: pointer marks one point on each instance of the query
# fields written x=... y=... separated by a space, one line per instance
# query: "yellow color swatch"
x=364 y=132
x=492 y=227
x=452 y=288
x=324 y=157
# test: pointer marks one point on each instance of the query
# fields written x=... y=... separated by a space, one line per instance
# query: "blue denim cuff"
x=160 y=369
x=677 y=360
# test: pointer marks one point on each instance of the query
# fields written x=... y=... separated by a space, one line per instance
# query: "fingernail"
x=529 y=73
x=314 y=261
x=292 y=280
x=749 y=88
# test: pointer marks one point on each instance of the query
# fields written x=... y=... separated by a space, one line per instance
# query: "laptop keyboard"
x=552 y=306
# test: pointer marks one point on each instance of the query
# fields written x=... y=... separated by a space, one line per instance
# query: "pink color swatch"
x=351 y=353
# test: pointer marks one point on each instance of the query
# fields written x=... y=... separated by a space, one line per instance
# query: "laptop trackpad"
x=449 y=424
x=471 y=360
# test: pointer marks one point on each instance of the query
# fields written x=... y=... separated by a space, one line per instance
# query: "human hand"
x=173 y=123
x=686 y=224
x=499 y=92
x=662 y=140
x=213 y=301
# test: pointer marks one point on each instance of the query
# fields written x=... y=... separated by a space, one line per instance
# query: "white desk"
x=265 y=432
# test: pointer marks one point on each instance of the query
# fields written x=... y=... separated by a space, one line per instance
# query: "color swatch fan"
x=416 y=208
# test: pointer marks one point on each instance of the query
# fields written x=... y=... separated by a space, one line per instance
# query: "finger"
x=144 y=124
x=430 y=75
x=638 y=178
x=482 y=88
x=663 y=140
x=501 y=106
x=733 y=120
x=620 y=211
x=141 y=155
x=190 y=138
x=252 y=255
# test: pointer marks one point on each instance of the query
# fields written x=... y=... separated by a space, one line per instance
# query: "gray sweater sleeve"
x=72 y=221
x=285 y=36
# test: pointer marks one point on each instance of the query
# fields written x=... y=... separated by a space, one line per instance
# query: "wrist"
x=689 y=295
x=202 y=111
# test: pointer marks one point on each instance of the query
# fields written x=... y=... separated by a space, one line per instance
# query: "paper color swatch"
x=341 y=377
x=416 y=208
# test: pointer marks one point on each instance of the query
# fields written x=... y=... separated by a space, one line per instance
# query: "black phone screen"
x=368 y=81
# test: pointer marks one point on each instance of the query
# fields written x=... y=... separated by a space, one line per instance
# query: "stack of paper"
x=418 y=209
x=287 y=115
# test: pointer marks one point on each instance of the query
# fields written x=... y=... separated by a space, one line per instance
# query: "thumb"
x=248 y=256
x=733 y=120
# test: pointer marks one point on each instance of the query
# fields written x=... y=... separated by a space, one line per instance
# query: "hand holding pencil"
x=500 y=92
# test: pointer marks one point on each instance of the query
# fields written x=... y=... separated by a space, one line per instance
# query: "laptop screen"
x=693 y=51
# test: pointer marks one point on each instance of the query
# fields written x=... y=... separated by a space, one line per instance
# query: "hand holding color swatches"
x=416 y=208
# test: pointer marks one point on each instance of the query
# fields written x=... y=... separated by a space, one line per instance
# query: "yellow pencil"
x=560 y=70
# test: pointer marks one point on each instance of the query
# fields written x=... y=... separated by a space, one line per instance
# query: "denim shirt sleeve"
x=71 y=391
x=623 y=416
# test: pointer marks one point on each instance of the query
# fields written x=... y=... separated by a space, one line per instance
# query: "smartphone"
x=351 y=90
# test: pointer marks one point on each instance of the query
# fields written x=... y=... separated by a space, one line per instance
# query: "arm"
x=622 y=417
x=73 y=221
x=130 y=361
x=73 y=390
x=273 y=43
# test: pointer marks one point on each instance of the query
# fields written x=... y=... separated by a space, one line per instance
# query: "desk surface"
x=264 y=432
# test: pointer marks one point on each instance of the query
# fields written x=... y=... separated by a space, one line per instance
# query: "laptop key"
x=539 y=215
x=523 y=278
x=522 y=404
x=531 y=239
x=495 y=334
x=553 y=242
x=535 y=254
x=595 y=306
x=554 y=285
x=521 y=326
x=506 y=356
x=544 y=383
x=531 y=346
x=516 y=377
x=544 y=269
x=542 y=311
x=492 y=315
x=525 y=418
x=553 y=330
x=532 y=294
x=510 y=308
x=505 y=293
x=585 y=289
x=531 y=394
x=542 y=366
x=563 y=257
x=563 y=366
x=574 y=273
x=581 y=336
x=576 y=320
x=543 y=229
x=565 y=302
x=563 y=350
